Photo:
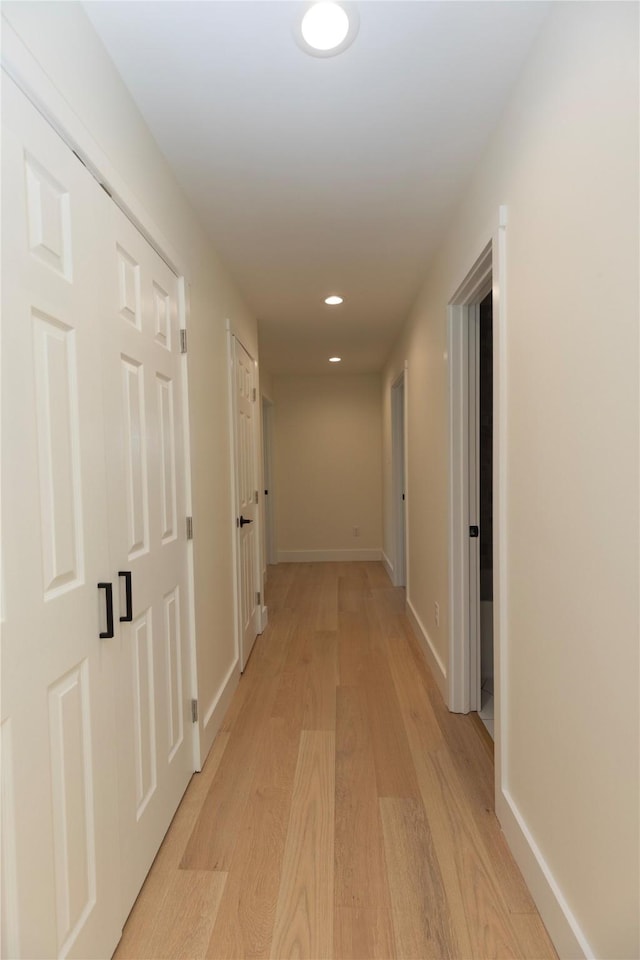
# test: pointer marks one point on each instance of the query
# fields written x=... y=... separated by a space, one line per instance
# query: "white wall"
x=328 y=469
x=565 y=161
x=61 y=38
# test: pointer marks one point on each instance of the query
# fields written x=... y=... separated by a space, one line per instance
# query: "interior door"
x=146 y=496
x=246 y=497
x=59 y=809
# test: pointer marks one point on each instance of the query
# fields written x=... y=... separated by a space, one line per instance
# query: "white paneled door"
x=246 y=498
x=141 y=354
x=95 y=727
x=59 y=858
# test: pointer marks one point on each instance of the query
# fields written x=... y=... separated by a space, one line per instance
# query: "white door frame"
x=398 y=479
x=271 y=553
x=257 y=483
x=20 y=64
x=486 y=274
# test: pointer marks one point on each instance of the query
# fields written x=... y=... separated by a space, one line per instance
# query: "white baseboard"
x=264 y=619
x=561 y=924
x=564 y=930
x=387 y=565
x=323 y=556
x=216 y=710
x=432 y=656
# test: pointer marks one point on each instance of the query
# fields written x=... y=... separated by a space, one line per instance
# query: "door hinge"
x=255 y=394
x=189 y=528
x=256 y=496
x=258 y=598
x=183 y=341
x=474 y=531
x=194 y=711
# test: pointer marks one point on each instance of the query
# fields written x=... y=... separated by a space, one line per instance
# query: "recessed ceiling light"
x=333 y=300
x=327 y=28
x=325 y=25
x=335 y=359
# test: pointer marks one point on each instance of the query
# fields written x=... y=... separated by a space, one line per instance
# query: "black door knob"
x=243 y=521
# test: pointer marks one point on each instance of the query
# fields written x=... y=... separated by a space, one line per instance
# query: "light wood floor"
x=343 y=811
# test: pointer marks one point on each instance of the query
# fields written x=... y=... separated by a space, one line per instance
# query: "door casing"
x=242 y=654
x=487 y=273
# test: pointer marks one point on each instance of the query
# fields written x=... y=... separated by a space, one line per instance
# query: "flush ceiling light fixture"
x=333 y=301
x=335 y=359
x=327 y=28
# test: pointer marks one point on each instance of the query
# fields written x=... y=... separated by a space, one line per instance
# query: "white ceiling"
x=314 y=175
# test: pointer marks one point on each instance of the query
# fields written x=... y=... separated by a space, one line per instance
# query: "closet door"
x=59 y=800
x=141 y=349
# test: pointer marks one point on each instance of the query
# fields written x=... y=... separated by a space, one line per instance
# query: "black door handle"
x=128 y=617
x=107 y=587
x=243 y=521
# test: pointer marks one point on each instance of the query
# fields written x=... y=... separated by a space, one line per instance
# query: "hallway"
x=343 y=811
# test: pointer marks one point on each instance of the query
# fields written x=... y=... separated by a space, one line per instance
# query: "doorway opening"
x=474 y=493
x=487 y=275
x=398 y=448
x=484 y=446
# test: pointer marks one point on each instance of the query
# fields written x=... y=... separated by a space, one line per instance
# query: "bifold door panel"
x=143 y=440
x=95 y=741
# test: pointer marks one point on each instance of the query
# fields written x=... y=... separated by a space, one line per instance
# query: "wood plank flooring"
x=343 y=813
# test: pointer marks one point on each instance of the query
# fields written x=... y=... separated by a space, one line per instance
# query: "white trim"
x=387 y=565
x=324 y=556
x=562 y=926
x=26 y=72
x=476 y=284
x=215 y=712
x=264 y=618
x=433 y=658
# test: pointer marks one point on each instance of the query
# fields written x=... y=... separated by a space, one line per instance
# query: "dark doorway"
x=485 y=468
